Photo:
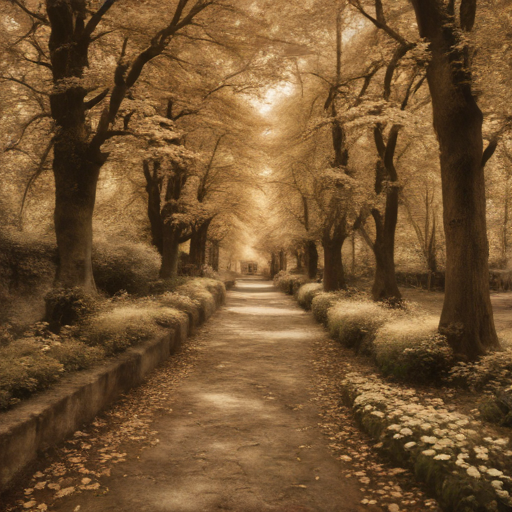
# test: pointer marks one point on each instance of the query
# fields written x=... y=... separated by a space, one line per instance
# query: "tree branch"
x=96 y=18
x=88 y=105
x=35 y=15
x=379 y=23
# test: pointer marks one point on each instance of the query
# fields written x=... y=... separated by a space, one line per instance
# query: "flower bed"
x=464 y=469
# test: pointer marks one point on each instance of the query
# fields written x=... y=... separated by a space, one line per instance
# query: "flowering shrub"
x=307 y=293
x=289 y=283
x=411 y=349
x=355 y=323
x=321 y=304
x=118 y=328
x=464 y=469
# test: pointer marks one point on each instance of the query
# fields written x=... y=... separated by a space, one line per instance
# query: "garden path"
x=241 y=432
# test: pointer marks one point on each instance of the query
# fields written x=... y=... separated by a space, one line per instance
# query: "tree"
x=77 y=145
x=467 y=318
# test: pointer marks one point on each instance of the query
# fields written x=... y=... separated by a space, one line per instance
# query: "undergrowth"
x=101 y=327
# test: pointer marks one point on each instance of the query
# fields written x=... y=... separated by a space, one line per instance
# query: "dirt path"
x=243 y=433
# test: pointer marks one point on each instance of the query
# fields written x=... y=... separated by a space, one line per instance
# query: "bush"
x=67 y=307
x=25 y=369
x=27 y=262
x=122 y=265
x=289 y=283
x=166 y=285
x=307 y=293
x=321 y=304
x=412 y=350
x=74 y=355
x=117 y=329
x=355 y=323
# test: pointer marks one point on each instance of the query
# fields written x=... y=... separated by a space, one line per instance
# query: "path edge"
x=45 y=420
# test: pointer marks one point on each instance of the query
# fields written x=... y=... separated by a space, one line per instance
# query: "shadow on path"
x=243 y=435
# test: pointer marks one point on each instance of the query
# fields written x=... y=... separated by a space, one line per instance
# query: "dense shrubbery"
x=120 y=265
x=411 y=349
x=39 y=359
x=116 y=329
x=321 y=304
x=307 y=293
x=289 y=283
x=101 y=328
x=403 y=343
x=355 y=323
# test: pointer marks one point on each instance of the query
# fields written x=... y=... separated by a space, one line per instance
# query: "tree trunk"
x=153 y=185
x=214 y=255
x=467 y=318
x=171 y=252
x=334 y=275
x=274 y=265
x=311 y=257
x=385 y=287
x=298 y=258
x=75 y=194
x=197 y=255
x=283 y=261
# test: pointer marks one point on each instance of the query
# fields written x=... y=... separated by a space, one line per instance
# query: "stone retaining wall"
x=48 y=418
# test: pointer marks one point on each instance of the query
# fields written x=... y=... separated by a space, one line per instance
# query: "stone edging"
x=48 y=418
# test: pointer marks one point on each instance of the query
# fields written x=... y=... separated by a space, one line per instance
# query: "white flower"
x=442 y=456
x=428 y=453
x=494 y=472
x=473 y=472
x=379 y=414
x=502 y=494
x=497 y=484
x=426 y=426
x=429 y=439
x=406 y=432
x=398 y=436
x=409 y=445
x=395 y=427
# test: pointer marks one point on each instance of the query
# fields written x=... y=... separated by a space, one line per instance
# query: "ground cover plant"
x=100 y=328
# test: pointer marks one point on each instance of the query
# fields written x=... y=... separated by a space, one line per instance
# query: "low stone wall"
x=47 y=419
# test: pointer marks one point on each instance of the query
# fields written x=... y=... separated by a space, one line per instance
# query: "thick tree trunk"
x=467 y=318
x=75 y=195
x=334 y=274
x=197 y=255
x=311 y=257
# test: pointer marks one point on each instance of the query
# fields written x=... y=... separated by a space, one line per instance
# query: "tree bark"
x=311 y=257
x=385 y=287
x=214 y=255
x=467 y=318
x=274 y=265
x=197 y=254
x=334 y=274
x=283 y=260
x=171 y=252
x=154 y=215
